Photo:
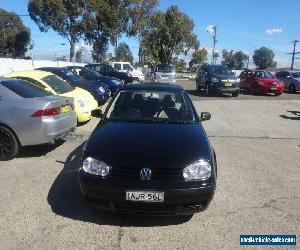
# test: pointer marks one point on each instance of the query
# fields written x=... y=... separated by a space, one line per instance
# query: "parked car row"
x=40 y=106
x=218 y=78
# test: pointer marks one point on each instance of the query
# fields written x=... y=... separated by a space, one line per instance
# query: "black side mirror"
x=205 y=116
x=97 y=113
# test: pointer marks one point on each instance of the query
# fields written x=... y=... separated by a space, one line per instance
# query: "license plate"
x=65 y=109
x=273 y=88
x=145 y=196
x=228 y=84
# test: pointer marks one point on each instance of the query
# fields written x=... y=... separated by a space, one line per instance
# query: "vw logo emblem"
x=145 y=174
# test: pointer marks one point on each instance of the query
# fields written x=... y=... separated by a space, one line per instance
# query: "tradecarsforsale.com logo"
x=268 y=240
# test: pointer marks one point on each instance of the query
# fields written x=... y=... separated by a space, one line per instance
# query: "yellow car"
x=84 y=102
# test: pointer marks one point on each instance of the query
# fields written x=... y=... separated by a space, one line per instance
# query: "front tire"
x=207 y=90
x=9 y=146
x=235 y=94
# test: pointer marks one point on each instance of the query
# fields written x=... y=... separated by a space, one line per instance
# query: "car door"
x=203 y=77
x=243 y=79
x=286 y=79
x=249 y=80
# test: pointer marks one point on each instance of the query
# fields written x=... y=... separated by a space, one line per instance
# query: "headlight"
x=80 y=103
x=95 y=167
x=101 y=90
x=238 y=80
x=214 y=79
x=200 y=170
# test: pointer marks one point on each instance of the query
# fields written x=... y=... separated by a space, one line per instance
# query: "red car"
x=259 y=81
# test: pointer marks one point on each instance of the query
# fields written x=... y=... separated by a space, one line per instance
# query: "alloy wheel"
x=6 y=144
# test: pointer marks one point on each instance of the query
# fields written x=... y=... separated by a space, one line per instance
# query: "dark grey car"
x=217 y=78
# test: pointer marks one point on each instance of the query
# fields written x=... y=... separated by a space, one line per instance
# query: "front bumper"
x=269 y=89
x=176 y=201
x=221 y=89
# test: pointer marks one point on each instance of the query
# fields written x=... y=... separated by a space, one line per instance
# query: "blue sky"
x=242 y=25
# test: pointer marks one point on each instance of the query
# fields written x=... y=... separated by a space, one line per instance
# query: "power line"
x=294 y=53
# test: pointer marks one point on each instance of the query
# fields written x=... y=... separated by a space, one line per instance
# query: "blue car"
x=114 y=84
x=99 y=90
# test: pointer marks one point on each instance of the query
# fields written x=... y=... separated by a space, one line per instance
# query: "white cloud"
x=210 y=29
x=270 y=32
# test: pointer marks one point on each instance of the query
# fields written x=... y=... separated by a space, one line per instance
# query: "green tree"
x=139 y=16
x=180 y=64
x=123 y=53
x=170 y=33
x=14 y=36
x=106 y=18
x=264 y=58
x=198 y=57
x=234 y=60
x=63 y=16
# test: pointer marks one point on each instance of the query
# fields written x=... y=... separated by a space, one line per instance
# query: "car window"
x=151 y=106
x=127 y=67
x=164 y=68
x=57 y=84
x=33 y=81
x=24 y=88
x=263 y=74
x=295 y=74
x=98 y=68
x=117 y=66
x=219 y=70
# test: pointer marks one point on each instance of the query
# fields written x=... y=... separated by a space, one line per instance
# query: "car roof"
x=50 y=68
x=154 y=87
x=29 y=73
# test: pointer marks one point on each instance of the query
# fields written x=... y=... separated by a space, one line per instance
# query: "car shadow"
x=202 y=94
x=39 y=150
x=295 y=117
x=66 y=200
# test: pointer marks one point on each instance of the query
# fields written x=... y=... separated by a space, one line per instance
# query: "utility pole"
x=294 y=53
x=214 y=44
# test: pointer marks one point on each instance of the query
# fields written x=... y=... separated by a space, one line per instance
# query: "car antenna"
x=11 y=69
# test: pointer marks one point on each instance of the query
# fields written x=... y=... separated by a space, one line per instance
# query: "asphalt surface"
x=258 y=153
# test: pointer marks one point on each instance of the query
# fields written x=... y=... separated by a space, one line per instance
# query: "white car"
x=164 y=73
x=126 y=67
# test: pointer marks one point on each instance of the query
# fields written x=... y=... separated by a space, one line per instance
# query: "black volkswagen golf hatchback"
x=149 y=154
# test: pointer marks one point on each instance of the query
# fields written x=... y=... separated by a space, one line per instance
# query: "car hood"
x=268 y=80
x=142 y=144
x=80 y=94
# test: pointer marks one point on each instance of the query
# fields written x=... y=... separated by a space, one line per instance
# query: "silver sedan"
x=30 y=115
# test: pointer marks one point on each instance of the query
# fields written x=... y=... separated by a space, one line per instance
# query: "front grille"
x=157 y=173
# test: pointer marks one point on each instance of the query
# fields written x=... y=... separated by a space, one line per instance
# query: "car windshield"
x=151 y=106
x=71 y=75
x=58 y=85
x=295 y=74
x=166 y=68
x=24 y=89
x=220 y=70
x=263 y=74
